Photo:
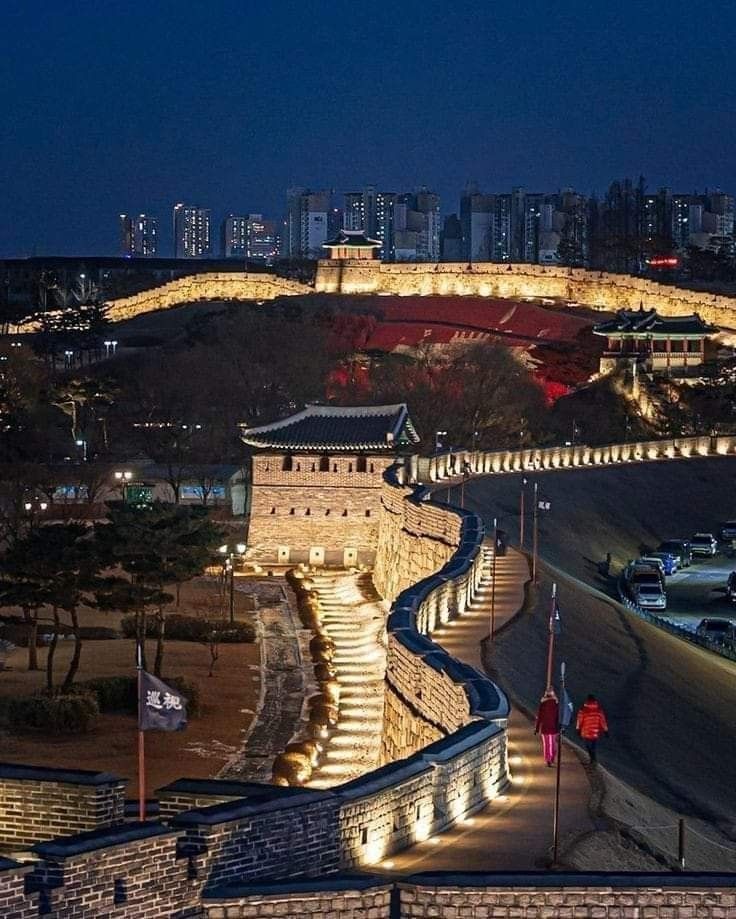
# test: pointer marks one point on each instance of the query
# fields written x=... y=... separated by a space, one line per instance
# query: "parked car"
x=669 y=561
x=650 y=596
x=680 y=548
x=704 y=544
x=731 y=587
x=728 y=531
x=716 y=630
x=644 y=573
x=651 y=561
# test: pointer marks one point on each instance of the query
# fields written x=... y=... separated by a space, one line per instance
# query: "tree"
x=54 y=565
x=155 y=546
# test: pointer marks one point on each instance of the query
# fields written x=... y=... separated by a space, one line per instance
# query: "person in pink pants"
x=548 y=725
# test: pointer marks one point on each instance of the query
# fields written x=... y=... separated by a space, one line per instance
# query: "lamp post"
x=32 y=505
x=228 y=568
x=538 y=506
x=493 y=579
x=123 y=478
x=83 y=444
x=524 y=482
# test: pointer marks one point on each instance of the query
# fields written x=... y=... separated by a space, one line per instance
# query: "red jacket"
x=548 y=717
x=591 y=721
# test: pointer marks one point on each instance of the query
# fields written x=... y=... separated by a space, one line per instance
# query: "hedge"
x=118 y=695
x=68 y=714
x=190 y=628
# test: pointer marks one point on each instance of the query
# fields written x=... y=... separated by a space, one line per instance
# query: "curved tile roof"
x=328 y=428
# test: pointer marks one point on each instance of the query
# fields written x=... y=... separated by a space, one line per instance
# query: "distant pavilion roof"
x=650 y=323
x=376 y=428
x=353 y=239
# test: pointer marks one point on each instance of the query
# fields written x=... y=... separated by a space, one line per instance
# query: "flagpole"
x=551 y=641
x=493 y=579
x=535 y=534
x=521 y=515
x=556 y=823
x=141 y=745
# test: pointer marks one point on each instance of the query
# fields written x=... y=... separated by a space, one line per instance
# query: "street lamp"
x=538 y=506
x=33 y=505
x=438 y=435
x=83 y=444
x=228 y=568
x=123 y=477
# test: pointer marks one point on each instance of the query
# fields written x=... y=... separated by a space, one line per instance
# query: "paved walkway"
x=282 y=677
x=514 y=832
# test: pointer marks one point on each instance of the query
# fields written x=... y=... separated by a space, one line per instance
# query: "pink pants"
x=549 y=747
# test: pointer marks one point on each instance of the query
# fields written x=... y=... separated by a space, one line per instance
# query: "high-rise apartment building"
x=261 y=242
x=307 y=223
x=372 y=212
x=417 y=227
x=191 y=231
x=721 y=211
x=686 y=219
x=235 y=236
x=138 y=236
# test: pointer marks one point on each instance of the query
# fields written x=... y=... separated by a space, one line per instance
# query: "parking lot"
x=699 y=591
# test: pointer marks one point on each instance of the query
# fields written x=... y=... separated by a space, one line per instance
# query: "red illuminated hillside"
x=557 y=343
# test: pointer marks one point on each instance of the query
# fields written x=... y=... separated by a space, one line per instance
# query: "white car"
x=704 y=544
x=650 y=596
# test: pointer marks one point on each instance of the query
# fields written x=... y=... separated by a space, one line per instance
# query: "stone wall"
x=596 y=289
x=128 y=872
x=303 y=508
x=344 y=898
x=210 y=286
x=548 y=896
x=480 y=896
x=14 y=902
x=38 y=803
x=599 y=290
x=444 y=465
x=277 y=836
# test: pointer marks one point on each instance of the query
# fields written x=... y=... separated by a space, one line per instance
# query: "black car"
x=680 y=548
x=716 y=630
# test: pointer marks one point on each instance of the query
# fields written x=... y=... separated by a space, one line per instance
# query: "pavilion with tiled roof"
x=658 y=343
x=337 y=429
x=352 y=244
x=317 y=479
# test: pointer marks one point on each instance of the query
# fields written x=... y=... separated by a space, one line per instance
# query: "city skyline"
x=446 y=102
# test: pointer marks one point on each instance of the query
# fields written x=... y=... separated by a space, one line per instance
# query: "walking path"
x=514 y=832
x=282 y=693
x=354 y=618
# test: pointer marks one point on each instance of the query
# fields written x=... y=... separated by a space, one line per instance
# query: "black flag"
x=160 y=707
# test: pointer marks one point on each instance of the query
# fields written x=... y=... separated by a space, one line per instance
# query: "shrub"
x=97 y=633
x=190 y=628
x=114 y=694
x=67 y=714
x=118 y=695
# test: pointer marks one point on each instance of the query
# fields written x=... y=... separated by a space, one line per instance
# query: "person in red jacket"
x=548 y=725
x=591 y=723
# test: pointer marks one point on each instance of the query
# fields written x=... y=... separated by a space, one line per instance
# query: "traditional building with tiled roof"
x=316 y=482
x=670 y=344
x=337 y=429
x=352 y=244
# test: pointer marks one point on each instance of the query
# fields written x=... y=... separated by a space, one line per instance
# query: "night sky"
x=113 y=107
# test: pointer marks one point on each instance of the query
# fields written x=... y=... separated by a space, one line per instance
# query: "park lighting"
x=438 y=435
x=83 y=444
x=228 y=569
x=123 y=477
